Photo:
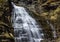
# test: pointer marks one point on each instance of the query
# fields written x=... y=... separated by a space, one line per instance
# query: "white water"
x=53 y=29
x=26 y=28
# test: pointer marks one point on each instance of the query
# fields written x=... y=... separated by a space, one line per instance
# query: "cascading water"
x=53 y=29
x=25 y=27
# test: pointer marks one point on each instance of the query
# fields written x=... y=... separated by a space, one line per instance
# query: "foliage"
x=43 y=11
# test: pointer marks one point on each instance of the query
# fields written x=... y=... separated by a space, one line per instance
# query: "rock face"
x=42 y=10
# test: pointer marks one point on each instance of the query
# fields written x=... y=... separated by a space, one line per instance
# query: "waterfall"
x=25 y=27
x=53 y=29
